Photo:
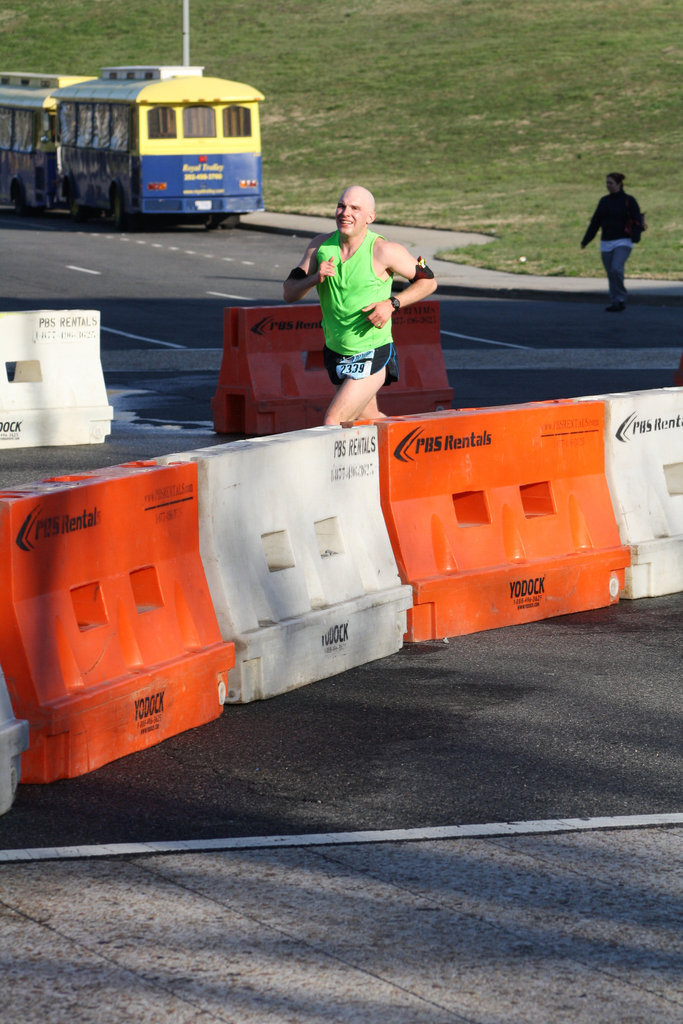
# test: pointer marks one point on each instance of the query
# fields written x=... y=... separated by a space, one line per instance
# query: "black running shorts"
x=362 y=364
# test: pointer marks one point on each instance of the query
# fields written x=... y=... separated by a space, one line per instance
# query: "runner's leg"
x=371 y=411
x=355 y=400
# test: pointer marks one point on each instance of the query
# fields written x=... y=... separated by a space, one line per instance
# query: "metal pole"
x=186 y=33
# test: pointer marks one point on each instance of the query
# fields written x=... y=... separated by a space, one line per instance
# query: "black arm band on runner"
x=298 y=274
x=421 y=271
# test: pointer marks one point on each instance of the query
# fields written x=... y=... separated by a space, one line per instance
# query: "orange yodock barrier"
x=500 y=516
x=109 y=641
x=272 y=377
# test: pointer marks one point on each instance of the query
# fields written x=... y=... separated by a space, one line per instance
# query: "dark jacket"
x=610 y=215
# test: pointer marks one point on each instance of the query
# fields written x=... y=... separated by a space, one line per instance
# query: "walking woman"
x=619 y=217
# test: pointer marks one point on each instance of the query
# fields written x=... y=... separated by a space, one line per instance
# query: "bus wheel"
x=19 y=199
x=230 y=221
x=119 y=210
x=78 y=212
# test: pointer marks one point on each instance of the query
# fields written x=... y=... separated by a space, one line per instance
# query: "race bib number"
x=356 y=366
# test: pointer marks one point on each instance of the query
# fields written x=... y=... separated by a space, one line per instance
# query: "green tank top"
x=342 y=298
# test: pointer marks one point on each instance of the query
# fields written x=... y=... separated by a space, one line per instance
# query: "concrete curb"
x=461 y=279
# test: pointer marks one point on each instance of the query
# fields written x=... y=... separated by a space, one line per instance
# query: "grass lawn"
x=497 y=116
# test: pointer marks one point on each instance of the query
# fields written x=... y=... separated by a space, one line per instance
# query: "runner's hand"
x=326 y=269
x=376 y=315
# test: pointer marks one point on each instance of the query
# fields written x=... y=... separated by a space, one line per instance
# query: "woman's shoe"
x=616 y=307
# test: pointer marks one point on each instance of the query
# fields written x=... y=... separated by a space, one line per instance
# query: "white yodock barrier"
x=644 y=468
x=52 y=388
x=297 y=556
x=13 y=742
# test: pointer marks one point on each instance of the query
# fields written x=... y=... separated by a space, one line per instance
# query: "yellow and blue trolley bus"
x=28 y=152
x=161 y=142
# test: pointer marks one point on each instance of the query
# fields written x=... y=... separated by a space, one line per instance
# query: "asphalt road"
x=573 y=716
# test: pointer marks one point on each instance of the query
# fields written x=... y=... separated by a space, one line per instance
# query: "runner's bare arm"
x=393 y=258
x=303 y=278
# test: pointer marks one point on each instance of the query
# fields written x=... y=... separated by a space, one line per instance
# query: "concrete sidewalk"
x=456 y=278
x=524 y=929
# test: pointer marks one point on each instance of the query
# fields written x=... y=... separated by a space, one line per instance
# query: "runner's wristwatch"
x=394 y=302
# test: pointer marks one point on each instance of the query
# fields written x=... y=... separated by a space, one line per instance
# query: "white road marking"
x=410 y=835
x=225 y=295
x=139 y=337
x=484 y=341
x=84 y=270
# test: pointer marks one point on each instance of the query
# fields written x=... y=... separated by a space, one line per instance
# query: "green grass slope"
x=498 y=116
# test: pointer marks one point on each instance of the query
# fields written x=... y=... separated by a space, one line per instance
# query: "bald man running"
x=353 y=269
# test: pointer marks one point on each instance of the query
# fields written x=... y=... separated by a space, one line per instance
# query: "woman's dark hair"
x=619 y=178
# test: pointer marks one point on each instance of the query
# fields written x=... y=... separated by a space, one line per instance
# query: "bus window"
x=67 y=124
x=161 y=123
x=236 y=122
x=101 y=129
x=47 y=128
x=5 y=128
x=84 y=135
x=199 y=123
x=23 y=131
x=119 y=126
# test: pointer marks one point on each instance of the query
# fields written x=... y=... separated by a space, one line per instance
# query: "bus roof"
x=185 y=89
x=26 y=89
x=150 y=71
x=38 y=79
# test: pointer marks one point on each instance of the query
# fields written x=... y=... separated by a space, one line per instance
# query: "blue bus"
x=29 y=177
x=160 y=141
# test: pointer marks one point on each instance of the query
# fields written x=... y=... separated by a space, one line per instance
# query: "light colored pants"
x=614 y=263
